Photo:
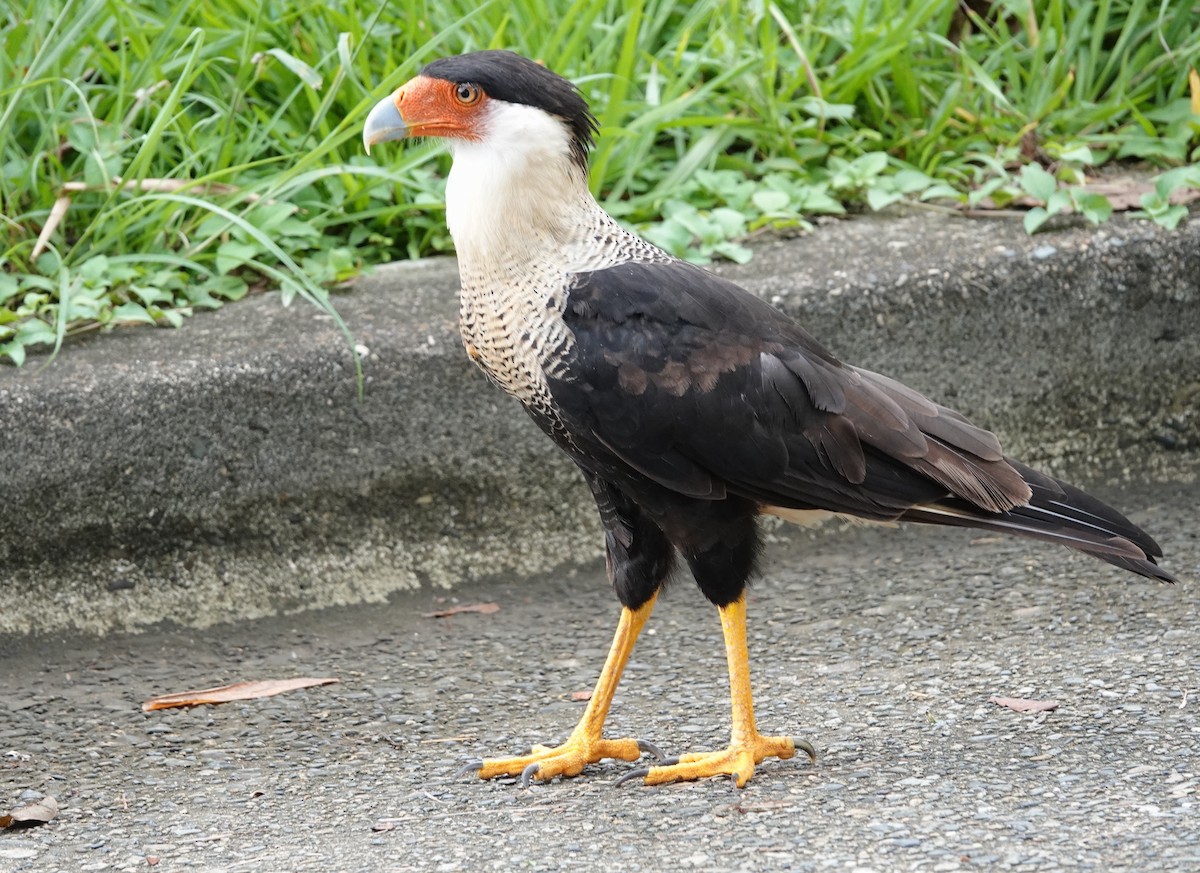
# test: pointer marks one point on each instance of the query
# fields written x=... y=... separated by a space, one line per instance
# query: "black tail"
x=1058 y=513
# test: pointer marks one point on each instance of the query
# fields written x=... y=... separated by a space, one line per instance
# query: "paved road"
x=880 y=646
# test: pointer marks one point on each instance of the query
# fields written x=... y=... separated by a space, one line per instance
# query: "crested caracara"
x=691 y=406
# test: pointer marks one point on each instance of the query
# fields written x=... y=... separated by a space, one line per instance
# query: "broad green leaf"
x=1154 y=203
x=1170 y=217
x=233 y=254
x=733 y=251
x=1152 y=148
x=226 y=287
x=880 y=198
x=771 y=201
x=1076 y=153
x=94 y=270
x=910 y=181
x=133 y=312
x=1035 y=218
x=150 y=295
x=986 y=190
x=9 y=287
x=816 y=199
x=14 y=350
x=1037 y=183
x=731 y=222
x=1171 y=181
x=1095 y=207
x=34 y=330
x=942 y=191
x=871 y=164
x=1058 y=201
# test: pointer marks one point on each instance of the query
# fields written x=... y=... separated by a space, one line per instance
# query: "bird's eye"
x=467 y=94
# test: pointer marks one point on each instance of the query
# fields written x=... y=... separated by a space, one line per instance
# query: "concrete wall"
x=229 y=470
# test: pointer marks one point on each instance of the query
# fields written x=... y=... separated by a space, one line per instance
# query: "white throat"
x=514 y=193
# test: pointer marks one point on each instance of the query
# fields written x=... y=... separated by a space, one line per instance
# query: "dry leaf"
x=36 y=813
x=1021 y=705
x=1125 y=193
x=484 y=608
x=581 y=695
x=61 y=204
x=228 y=693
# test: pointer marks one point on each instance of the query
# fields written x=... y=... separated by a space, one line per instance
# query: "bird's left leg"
x=586 y=744
x=747 y=746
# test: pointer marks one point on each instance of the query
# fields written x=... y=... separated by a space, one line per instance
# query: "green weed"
x=163 y=158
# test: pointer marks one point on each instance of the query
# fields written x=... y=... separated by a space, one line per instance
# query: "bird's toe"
x=639 y=773
x=468 y=765
x=528 y=773
x=806 y=747
x=653 y=749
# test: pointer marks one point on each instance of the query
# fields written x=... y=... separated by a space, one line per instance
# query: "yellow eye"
x=467 y=94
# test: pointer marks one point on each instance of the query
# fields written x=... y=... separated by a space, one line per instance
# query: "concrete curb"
x=228 y=470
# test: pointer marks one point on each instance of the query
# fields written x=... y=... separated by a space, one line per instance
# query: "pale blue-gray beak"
x=383 y=123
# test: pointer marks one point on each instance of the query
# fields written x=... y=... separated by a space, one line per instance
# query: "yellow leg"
x=586 y=744
x=747 y=746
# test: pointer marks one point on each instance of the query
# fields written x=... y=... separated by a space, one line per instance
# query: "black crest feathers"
x=508 y=76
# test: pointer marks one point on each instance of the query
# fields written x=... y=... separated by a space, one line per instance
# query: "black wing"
x=683 y=378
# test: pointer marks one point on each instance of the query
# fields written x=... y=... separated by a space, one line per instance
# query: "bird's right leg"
x=639 y=559
x=586 y=745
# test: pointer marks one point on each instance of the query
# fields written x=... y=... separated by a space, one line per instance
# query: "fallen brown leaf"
x=36 y=813
x=1123 y=192
x=1126 y=193
x=228 y=693
x=1018 y=704
x=484 y=608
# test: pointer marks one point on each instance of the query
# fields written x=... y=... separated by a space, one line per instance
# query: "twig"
x=154 y=186
x=57 y=211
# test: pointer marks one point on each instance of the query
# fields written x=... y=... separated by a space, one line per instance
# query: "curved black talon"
x=468 y=765
x=528 y=773
x=647 y=746
x=807 y=748
x=639 y=773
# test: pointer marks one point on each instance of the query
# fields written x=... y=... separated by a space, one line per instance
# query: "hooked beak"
x=384 y=122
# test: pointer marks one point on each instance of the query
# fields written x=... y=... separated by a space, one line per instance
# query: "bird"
x=692 y=407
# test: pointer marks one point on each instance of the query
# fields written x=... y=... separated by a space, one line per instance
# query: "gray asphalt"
x=882 y=647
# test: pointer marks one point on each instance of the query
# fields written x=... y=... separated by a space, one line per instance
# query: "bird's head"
x=494 y=98
x=520 y=136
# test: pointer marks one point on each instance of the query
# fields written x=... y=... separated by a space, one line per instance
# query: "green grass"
x=234 y=129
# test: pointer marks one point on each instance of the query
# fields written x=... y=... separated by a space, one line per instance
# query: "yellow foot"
x=569 y=759
x=737 y=761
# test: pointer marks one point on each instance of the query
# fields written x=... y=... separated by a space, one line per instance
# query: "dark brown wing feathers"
x=687 y=380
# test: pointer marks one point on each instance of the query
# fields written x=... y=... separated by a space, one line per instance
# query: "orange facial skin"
x=435 y=107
